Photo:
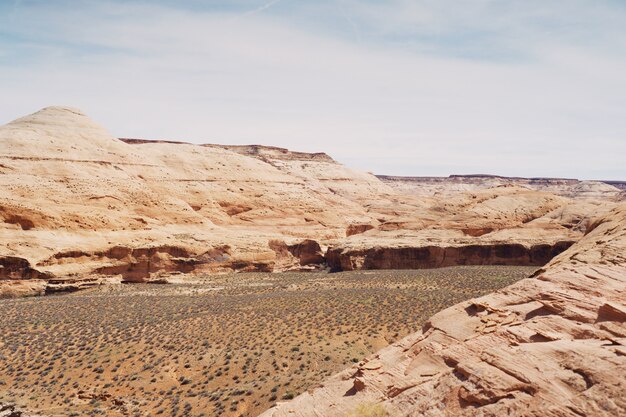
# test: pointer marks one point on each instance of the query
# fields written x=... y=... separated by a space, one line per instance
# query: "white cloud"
x=558 y=108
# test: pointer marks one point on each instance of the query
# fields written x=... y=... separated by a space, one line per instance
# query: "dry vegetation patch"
x=228 y=345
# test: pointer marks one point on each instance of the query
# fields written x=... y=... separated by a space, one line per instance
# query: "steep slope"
x=319 y=167
x=552 y=345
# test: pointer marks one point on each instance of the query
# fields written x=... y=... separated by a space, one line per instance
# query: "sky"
x=400 y=87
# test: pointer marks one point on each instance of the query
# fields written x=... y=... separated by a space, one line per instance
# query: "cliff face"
x=551 y=345
x=339 y=259
x=504 y=225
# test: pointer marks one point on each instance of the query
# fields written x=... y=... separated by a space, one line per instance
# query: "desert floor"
x=229 y=345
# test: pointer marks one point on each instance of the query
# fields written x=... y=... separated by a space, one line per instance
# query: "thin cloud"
x=262 y=8
x=16 y=5
x=353 y=25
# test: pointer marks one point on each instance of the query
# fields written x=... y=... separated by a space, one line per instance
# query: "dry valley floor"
x=226 y=345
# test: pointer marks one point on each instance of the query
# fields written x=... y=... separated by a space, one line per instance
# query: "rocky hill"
x=79 y=207
x=550 y=345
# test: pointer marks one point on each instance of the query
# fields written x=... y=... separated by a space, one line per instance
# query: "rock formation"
x=550 y=345
x=81 y=208
x=504 y=225
x=75 y=202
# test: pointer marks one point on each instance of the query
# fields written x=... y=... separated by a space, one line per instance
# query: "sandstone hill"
x=77 y=201
x=79 y=207
x=550 y=345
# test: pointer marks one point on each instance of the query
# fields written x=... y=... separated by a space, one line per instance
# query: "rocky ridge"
x=550 y=345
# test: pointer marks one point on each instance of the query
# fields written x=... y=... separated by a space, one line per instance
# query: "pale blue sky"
x=423 y=87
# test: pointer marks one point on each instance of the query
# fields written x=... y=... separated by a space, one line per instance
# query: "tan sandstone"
x=79 y=207
x=551 y=345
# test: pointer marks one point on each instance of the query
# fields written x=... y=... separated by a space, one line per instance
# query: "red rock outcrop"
x=76 y=202
x=16 y=268
x=550 y=345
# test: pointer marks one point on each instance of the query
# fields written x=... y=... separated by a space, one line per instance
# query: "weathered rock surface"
x=22 y=288
x=506 y=225
x=551 y=345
